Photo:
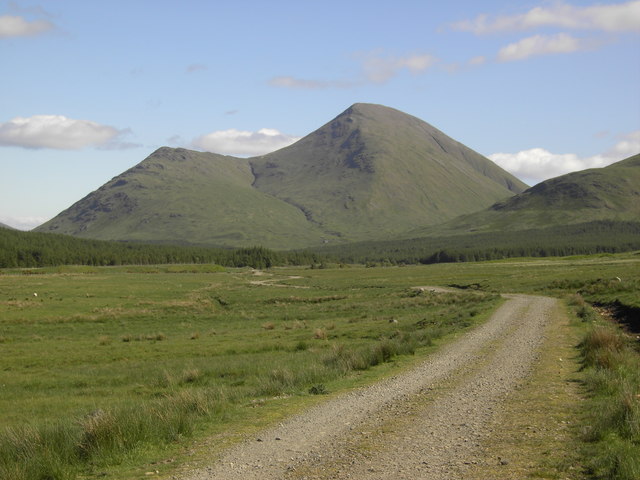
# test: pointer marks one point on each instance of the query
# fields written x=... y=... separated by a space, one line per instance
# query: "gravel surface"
x=427 y=423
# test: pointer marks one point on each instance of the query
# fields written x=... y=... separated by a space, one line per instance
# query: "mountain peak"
x=373 y=172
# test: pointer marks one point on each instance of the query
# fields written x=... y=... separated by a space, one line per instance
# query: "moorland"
x=120 y=370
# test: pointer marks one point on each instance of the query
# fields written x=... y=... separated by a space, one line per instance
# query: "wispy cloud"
x=196 y=67
x=479 y=60
x=285 y=81
x=241 y=142
x=17 y=26
x=619 y=17
x=60 y=132
x=537 y=164
x=374 y=68
x=378 y=68
x=541 y=45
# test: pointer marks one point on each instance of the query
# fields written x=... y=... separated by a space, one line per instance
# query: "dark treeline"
x=31 y=249
x=581 y=239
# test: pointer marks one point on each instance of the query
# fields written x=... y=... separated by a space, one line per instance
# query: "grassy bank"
x=611 y=361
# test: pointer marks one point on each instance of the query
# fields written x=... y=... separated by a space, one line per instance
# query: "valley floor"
x=491 y=404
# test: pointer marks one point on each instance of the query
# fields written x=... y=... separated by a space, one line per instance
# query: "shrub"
x=318 y=389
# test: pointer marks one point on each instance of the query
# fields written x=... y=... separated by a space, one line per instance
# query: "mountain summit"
x=372 y=172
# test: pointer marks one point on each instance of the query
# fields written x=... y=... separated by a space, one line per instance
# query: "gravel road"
x=427 y=423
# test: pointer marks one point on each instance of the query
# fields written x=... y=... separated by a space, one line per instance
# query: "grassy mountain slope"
x=2 y=225
x=182 y=196
x=609 y=193
x=371 y=173
x=374 y=172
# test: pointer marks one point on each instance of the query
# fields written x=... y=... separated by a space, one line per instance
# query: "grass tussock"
x=612 y=377
x=61 y=450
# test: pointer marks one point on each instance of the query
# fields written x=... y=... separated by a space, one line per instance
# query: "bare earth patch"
x=431 y=422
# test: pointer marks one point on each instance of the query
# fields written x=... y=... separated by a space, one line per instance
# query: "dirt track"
x=427 y=423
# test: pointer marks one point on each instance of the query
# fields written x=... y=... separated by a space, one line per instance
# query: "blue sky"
x=89 y=89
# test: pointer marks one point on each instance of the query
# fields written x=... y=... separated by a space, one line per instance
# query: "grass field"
x=107 y=370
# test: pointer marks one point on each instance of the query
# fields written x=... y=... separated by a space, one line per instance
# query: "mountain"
x=2 y=225
x=183 y=196
x=608 y=193
x=371 y=173
x=374 y=171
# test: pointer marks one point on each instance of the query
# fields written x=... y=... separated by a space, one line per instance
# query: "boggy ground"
x=440 y=420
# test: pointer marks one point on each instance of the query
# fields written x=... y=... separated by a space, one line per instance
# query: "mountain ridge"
x=606 y=193
x=372 y=172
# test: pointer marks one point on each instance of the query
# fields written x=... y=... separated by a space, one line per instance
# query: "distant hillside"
x=611 y=194
x=2 y=225
x=183 y=196
x=371 y=173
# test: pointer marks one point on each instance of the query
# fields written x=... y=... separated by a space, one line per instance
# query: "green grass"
x=111 y=369
x=611 y=361
x=101 y=366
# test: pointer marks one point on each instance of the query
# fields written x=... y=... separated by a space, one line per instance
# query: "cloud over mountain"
x=242 y=142
x=537 y=164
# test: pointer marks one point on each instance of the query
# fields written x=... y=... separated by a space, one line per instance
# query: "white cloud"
x=538 y=164
x=59 y=132
x=16 y=26
x=619 y=17
x=240 y=142
x=540 y=45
